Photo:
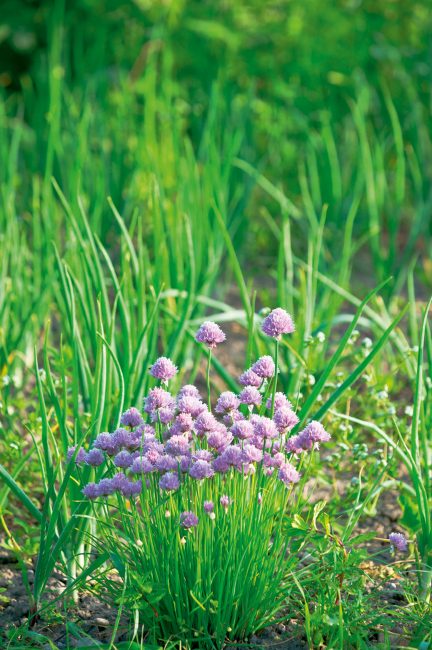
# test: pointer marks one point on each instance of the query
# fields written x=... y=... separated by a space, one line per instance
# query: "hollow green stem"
x=276 y=360
x=208 y=378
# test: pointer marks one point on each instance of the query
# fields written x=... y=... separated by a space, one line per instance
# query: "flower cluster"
x=398 y=541
x=178 y=439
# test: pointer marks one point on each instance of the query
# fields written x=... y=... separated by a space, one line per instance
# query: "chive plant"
x=195 y=503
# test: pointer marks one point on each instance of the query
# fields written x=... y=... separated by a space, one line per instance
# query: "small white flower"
x=321 y=337
x=311 y=380
x=409 y=411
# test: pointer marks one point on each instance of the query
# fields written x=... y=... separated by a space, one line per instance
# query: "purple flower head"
x=206 y=423
x=220 y=438
x=188 y=519
x=220 y=465
x=250 y=396
x=142 y=465
x=242 y=429
x=131 y=488
x=203 y=454
x=185 y=462
x=157 y=398
x=166 y=415
x=166 y=463
x=288 y=474
x=123 y=459
x=94 y=458
x=278 y=459
x=250 y=378
x=201 y=469
x=398 y=541
x=163 y=369
x=275 y=460
x=122 y=438
x=182 y=424
x=232 y=456
x=285 y=419
x=145 y=431
x=189 y=391
x=91 y=491
x=227 y=402
x=191 y=405
x=251 y=454
x=106 y=442
x=105 y=487
x=263 y=427
x=225 y=501
x=140 y=438
x=281 y=401
x=312 y=435
x=169 y=481
x=154 y=453
x=131 y=418
x=258 y=442
x=293 y=445
x=278 y=322
x=210 y=334
x=264 y=367
x=208 y=506
x=118 y=481
x=81 y=456
x=177 y=445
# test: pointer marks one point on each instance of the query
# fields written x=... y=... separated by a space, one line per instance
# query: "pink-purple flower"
x=169 y=482
x=280 y=401
x=250 y=378
x=264 y=367
x=288 y=474
x=158 y=398
x=163 y=369
x=278 y=322
x=210 y=334
x=227 y=402
x=201 y=469
x=398 y=541
x=285 y=419
x=250 y=396
x=188 y=519
x=131 y=418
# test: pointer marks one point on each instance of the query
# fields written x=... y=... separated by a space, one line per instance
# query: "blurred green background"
x=330 y=101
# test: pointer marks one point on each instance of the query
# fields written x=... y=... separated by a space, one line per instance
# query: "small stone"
x=103 y=622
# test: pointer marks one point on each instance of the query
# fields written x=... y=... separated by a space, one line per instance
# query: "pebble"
x=104 y=622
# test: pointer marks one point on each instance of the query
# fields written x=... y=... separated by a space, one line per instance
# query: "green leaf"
x=19 y=492
x=410 y=515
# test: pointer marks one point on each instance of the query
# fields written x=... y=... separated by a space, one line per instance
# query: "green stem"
x=208 y=378
x=276 y=359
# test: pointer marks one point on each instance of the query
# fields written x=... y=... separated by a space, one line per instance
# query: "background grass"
x=164 y=161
